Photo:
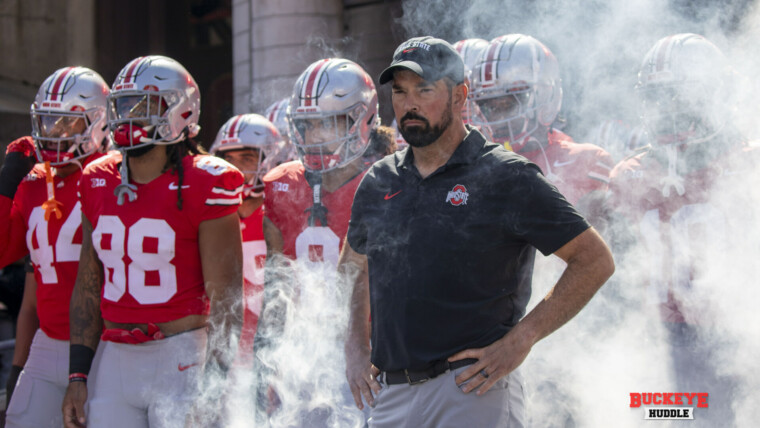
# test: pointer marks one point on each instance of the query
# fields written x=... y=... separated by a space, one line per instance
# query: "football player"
x=335 y=128
x=160 y=261
x=249 y=142
x=516 y=83
x=277 y=113
x=675 y=194
x=471 y=50
x=40 y=214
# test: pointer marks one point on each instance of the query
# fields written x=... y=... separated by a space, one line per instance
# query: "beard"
x=423 y=136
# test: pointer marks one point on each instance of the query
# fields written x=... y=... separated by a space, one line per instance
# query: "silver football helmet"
x=249 y=131
x=517 y=86
x=69 y=115
x=471 y=50
x=332 y=111
x=277 y=113
x=154 y=100
x=681 y=90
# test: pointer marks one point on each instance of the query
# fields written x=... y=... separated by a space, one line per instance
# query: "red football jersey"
x=53 y=245
x=254 y=256
x=288 y=196
x=680 y=233
x=149 y=248
x=576 y=169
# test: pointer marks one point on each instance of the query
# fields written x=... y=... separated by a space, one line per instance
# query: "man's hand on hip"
x=494 y=362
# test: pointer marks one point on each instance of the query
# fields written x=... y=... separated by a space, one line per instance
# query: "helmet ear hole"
x=186 y=114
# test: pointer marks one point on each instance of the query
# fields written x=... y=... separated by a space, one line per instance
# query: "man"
x=334 y=127
x=444 y=234
x=683 y=196
x=249 y=142
x=160 y=261
x=516 y=84
x=40 y=214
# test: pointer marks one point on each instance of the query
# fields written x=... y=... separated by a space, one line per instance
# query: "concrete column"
x=285 y=37
x=80 y=33
x=371 y=42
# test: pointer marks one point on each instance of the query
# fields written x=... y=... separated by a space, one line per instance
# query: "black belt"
x=413 y=377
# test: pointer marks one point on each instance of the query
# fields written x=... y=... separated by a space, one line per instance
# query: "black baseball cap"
x=430 y=58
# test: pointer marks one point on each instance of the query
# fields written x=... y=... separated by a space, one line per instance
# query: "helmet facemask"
x=680 y=113
x=510 y=117
x=139 y=118
x=249 y=142
x=327 y=142
x=253 y=186
x=63 y=137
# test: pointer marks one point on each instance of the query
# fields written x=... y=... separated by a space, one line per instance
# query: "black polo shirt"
x=451 y=256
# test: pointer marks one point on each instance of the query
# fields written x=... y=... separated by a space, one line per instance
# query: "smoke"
x=599 y=44
x=582 y=375
x=301 y=370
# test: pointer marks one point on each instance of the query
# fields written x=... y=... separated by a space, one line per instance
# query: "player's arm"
x=272 y=312
x=589 y=265
x=272 y=237
x=19 y=160
x=271 y=316
x=221 y=253
x=27 y=324
x=360 y=372
x=85 y=326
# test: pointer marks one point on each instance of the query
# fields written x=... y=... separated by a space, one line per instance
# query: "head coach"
x=440 y=246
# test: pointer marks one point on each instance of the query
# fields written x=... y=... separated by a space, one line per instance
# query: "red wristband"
x=77 y=377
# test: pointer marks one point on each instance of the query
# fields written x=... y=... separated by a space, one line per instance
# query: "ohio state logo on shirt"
x=458 y=195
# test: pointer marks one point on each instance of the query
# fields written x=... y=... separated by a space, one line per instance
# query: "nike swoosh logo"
x=173 y=186
x=559 y=164
x=388 y=196
x=182 y=368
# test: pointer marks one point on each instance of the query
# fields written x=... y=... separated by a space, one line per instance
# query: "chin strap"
x=130 y=190
x=51 y=206
x=672 y=179
x=317 y=212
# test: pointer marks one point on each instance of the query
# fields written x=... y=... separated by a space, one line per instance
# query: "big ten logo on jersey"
x=98 y=182
x=213 y=165
x=149 y=277
x=254 y=257
x=318 y=245
x=280 y=187
x=64 y=249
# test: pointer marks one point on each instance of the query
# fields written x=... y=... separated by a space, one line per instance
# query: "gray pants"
x=38 y=396
x=147 y=385
x=439 y=403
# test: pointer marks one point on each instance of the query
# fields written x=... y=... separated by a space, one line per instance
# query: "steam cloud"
x=582 y=375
